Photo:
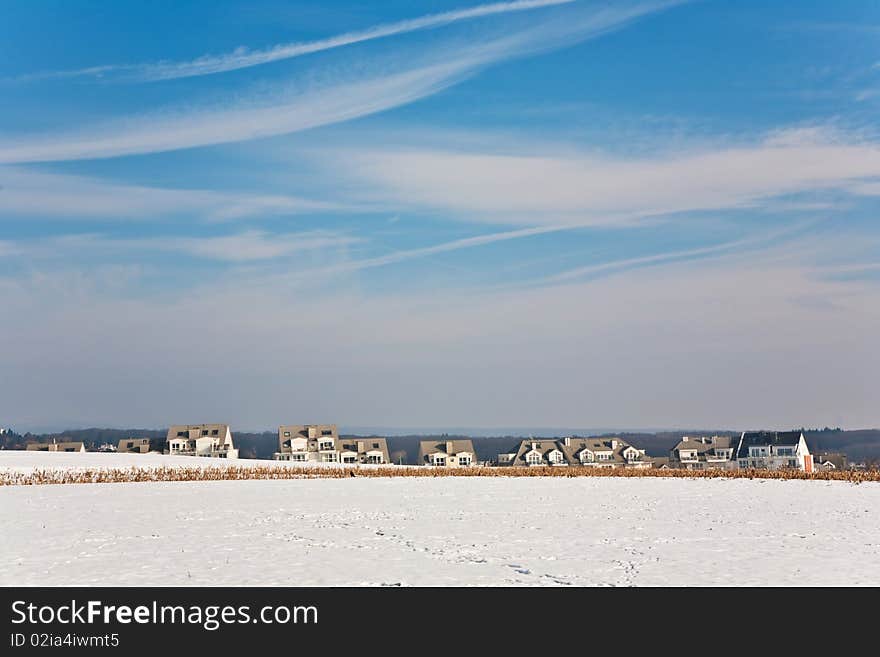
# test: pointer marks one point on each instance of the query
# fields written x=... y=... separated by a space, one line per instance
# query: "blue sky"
x=433 y=214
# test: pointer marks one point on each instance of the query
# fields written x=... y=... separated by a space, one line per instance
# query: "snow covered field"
x=442 y=531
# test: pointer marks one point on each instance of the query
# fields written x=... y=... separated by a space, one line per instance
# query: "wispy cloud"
x=252 y=246
x=445 y=247
x=8 y=248
x=34 y=193
x=590 y=189
x=242 y=247
x=297 y=110
x=243 y=57
x=669 y=256
x=585 y=343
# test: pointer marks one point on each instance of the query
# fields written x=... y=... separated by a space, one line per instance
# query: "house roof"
x=139 y=444
x=766 y=438
x=448 y=447
x=221 y=429
x=364 y=445
x=572 y=450
x=703 y=446
x=302 y=430
x=55 y=445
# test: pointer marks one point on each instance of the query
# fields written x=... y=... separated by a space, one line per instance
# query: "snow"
x=443 y=531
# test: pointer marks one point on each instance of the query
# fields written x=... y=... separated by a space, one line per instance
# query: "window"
x=297 y=457
x=349 y=458
x=439 y=460
x=326 y=432
x=182 y=434
x=375 y=458
x=204 y=432
x=329 y=458
x=325 y=445
x=215 y=432
x=533 y=458
x=375 y=445
x=464 y=460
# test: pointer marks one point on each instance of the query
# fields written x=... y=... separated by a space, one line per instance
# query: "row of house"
x=765 y=450
x=571 y=451
x=321 y=443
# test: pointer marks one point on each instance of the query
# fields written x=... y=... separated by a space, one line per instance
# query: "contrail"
x=245 y=58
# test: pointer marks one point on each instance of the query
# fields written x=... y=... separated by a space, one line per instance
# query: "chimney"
x=360 y=446
x=449 y=447
x=568 y=441
x=613 y=444
x=684 y=439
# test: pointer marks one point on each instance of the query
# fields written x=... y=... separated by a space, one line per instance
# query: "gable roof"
x=703 y=446
x=137 y=444
x=572 y=447
x=222 y=432
x=55 y=446
x=450 y=447
x=766 y=438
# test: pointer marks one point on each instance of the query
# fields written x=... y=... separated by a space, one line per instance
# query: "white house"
x=774 y=450
x=447 y=453
x=211 y=440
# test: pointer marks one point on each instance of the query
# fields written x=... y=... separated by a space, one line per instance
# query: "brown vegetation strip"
x=235 y=473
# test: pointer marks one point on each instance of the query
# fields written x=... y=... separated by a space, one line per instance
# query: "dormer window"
x=287 y=434
x=534 y=458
